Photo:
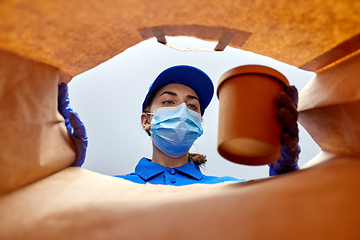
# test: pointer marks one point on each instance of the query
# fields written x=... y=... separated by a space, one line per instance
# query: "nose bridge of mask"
x=182 y=107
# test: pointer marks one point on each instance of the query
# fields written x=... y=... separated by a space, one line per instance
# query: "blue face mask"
x=175 y=129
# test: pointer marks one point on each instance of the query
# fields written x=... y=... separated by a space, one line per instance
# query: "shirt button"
x=173 y=181
x=172 y=171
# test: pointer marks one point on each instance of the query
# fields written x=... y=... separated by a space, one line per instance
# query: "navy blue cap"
x=189 y=76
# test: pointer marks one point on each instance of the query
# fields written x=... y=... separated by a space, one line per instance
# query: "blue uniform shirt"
x=154 y=173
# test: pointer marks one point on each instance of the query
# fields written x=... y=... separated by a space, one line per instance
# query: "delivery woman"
x=171 y=115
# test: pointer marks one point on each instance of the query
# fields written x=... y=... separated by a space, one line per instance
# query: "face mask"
x=175 y=129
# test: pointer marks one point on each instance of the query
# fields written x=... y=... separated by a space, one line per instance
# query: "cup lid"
x=259 y=69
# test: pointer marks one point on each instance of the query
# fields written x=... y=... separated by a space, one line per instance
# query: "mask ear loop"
x=148 y=131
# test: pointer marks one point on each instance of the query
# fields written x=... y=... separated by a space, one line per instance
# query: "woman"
x=172 y=112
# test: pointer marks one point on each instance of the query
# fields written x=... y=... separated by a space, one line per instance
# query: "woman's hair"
x=198 y=159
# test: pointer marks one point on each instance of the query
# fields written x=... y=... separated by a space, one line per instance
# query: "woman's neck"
x=164 y=160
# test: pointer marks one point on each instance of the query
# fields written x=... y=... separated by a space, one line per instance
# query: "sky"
x=109 y=100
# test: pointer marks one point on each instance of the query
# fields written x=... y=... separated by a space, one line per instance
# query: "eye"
x=168 y=102
x=192 y=107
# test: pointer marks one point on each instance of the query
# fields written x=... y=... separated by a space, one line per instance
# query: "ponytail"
x=198 y=159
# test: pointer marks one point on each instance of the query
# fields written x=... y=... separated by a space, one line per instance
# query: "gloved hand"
x=75 y=127
x=287 y=115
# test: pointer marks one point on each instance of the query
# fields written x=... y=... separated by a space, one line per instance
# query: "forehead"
x=178 y=88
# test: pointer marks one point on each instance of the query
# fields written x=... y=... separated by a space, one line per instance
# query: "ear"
x=145 y=121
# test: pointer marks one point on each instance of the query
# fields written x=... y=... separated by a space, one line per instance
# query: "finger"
x=78 y=126
x=293 y=93
x=288 y=122
x=63 y=92
x=291 y=144
x=283 y=100
x=79 y=137
x=80 y=158
x=63 y=100
x=80 y=152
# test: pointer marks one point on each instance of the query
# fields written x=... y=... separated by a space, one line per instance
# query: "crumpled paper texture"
x=78 y=35
x=321 y=202
x=33 y=139
x=329 y=107
x=46 y=42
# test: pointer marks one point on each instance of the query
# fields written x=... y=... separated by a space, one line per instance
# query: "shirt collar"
x=147 y=169
x=191 y=169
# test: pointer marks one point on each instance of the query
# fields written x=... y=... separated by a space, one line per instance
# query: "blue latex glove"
x=287 y=115
x=75 y=127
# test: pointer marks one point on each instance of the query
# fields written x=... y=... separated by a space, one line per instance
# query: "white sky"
x=109 y=97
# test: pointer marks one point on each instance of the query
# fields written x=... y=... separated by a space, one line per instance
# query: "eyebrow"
x=175 y=94
x=170 y=93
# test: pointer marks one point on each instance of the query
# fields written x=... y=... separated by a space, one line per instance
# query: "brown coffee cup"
x=249 y=131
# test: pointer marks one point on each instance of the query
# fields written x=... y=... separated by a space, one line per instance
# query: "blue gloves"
x=75 y=127
x=287 y=115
